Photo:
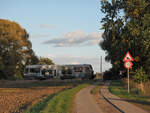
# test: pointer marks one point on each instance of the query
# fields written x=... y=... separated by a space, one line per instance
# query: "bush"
x=107 y=75
x=140 y=76
x=112 y=74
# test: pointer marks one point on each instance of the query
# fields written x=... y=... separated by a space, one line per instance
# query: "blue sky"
x=67 y=31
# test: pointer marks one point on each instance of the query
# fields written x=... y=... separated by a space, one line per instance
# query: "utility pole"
x=101 y=65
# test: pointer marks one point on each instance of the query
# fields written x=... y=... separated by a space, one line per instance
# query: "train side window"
x=34 y=70
x=78 y=69
x=50 y=72
x=43 y=72
x=69 y=71
x=26 y=70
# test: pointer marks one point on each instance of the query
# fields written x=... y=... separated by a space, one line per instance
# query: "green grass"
x=95 y=90
x=62 y=102
x=117 y=88
x=40 y=106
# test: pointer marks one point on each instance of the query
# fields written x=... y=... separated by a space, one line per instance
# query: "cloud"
x=75 y=38
x=40 y=36
x=69 y=59
x=47 y=26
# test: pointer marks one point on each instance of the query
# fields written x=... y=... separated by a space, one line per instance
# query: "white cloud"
x=75 y=38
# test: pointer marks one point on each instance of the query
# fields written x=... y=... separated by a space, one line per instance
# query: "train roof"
x=52 y=66
x=77 y=65
x=40 y=66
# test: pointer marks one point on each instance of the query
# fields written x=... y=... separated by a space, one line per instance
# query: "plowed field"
x=16 y=100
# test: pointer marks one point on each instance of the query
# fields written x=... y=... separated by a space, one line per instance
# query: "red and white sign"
x=128 y=64
x=128 y=57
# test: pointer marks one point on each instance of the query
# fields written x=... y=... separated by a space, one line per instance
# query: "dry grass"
x=147 y=88
x=136 y=86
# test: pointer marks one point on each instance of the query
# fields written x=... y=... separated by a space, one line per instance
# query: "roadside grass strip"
x=95 y=90
x=62 y=102
x=135 y=96
x=40 y=106
x=117 y=88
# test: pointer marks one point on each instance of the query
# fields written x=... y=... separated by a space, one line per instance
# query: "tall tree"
x=14 y=47
x=137 y=15
x=112 y=25
x=126 y=27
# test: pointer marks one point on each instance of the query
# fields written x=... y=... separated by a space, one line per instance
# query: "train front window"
x=87 y=69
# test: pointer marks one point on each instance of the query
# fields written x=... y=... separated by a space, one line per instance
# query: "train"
x=83 y=71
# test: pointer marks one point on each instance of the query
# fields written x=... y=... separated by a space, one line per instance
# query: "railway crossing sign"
x=128 y=64
x=128 y=57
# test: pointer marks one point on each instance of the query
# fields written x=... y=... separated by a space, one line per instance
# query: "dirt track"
x=84 y=102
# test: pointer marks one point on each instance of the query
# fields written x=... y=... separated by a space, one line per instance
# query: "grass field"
x=60 y=103
x=135 y=96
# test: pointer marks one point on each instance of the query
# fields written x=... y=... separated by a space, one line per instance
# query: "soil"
x=16 y=100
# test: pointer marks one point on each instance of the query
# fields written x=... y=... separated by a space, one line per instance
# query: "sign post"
x=128 y=82
x=128 y=64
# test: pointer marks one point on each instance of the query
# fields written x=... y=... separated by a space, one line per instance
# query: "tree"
x=126 y=27
x=112 y=36
x=138 y=28
x=14 y=48
x=34 y=59
x=45 y=61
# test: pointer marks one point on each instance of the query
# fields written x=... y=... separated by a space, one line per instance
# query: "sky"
x=66 y=31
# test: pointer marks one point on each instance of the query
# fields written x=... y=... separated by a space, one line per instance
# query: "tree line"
x=126 y=26
x=16 y=50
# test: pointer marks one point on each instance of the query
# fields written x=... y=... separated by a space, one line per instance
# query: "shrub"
x=140 y=76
